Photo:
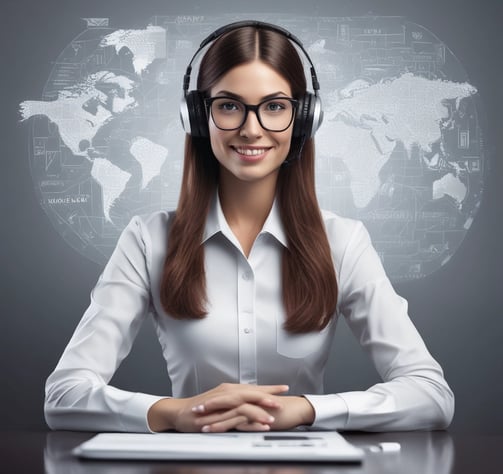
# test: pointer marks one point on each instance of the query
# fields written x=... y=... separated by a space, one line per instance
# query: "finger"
x=253 y=413
x=270 y=403
x=227 y=401
x=224 y=425
x=272 y=389
x=253 y=427
x=237 y=422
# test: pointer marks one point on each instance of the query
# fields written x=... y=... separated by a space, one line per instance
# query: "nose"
x=251 y=128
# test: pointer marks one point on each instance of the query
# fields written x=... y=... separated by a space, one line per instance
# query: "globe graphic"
x=400 y=147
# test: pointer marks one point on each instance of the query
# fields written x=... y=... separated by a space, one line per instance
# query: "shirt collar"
x=274 y=225
x=216 y=222
x=212 y=220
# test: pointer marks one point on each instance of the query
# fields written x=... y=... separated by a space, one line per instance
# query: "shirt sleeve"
x=78 y=396
x=414 y=394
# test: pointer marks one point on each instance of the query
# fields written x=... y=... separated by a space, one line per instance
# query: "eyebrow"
x=239 y=97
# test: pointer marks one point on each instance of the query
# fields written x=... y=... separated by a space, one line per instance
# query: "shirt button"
x=247 y=275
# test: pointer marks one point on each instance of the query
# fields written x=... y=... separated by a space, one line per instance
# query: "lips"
x=250 y=151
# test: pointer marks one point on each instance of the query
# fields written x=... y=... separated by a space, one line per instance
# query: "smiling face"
x=250 y=153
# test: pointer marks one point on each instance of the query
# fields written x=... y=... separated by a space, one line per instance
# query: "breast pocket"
x=297 y=346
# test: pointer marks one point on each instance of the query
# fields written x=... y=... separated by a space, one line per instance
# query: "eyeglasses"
x=274 y=115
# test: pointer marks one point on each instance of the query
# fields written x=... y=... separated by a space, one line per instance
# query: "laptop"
x=309 y=446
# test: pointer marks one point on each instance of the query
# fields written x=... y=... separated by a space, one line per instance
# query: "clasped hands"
x=232 y=407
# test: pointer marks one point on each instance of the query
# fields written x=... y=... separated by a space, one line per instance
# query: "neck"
x=246 y=200
x=246 y=205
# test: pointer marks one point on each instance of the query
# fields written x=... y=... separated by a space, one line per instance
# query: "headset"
x=193 y=113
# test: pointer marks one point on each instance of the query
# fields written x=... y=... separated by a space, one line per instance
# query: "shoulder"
x=356 y=261
x=154 y=222
x=342 y=231
x=148 y=231
x=347 y=237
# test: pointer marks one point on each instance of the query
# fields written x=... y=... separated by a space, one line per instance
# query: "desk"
x=437 y=452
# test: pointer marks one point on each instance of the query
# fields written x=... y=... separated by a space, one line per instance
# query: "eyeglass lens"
x=230 y=114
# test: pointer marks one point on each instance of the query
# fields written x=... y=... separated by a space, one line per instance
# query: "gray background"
x=45 y=284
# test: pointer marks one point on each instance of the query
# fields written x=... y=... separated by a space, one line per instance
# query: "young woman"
x=246 y=279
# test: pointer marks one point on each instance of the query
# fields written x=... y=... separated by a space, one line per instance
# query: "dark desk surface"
x=436 y=452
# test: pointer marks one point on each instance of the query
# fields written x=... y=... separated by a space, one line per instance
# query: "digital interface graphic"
x=401 y=146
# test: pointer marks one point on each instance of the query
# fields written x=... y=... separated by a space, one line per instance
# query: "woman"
x=246 y=280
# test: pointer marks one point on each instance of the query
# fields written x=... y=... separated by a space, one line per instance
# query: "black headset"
x=193 y=114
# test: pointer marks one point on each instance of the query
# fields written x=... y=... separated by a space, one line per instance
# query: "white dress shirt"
x=242 y=339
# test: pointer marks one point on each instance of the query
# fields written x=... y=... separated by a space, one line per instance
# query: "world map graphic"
x=400 y=148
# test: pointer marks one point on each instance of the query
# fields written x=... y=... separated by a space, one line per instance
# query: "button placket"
x=246 y=324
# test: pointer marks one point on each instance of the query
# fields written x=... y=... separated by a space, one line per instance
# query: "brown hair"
x=309 y=282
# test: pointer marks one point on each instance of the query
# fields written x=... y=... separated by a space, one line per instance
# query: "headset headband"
x=240 y=24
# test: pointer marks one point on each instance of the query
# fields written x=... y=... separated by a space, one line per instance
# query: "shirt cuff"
x=331 y=412
x=134 y=418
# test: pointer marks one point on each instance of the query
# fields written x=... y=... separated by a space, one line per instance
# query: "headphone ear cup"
x=309 y=116
x=315 y=114
x=194 y=117
x=301 y=126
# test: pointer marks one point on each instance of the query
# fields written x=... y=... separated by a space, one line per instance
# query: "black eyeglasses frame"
x=208 y=101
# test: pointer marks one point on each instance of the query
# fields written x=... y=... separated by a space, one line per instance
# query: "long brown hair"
x=309 y=283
